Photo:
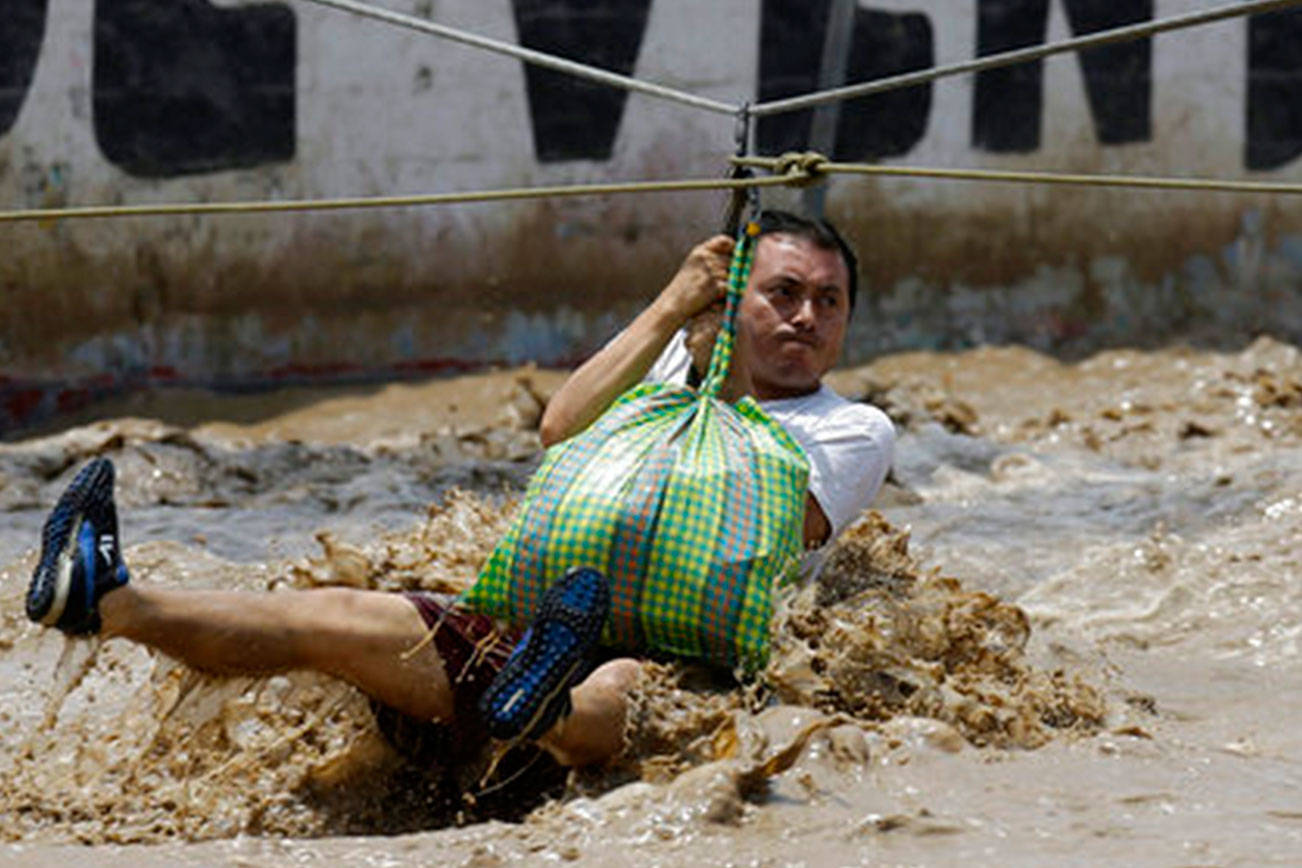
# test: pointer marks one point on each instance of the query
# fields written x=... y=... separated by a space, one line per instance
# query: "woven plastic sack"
x=693 y=508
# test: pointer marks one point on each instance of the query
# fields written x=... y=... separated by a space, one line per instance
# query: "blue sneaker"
x=81 y=560
x=558 y=651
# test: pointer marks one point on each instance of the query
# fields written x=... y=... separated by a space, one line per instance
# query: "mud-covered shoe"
x=81 y=560
x=557 y=652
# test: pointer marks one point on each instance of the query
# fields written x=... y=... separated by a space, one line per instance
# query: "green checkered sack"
x=691 y=506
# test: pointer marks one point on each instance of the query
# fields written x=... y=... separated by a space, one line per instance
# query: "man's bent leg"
x=362 y=637
x=593 y=731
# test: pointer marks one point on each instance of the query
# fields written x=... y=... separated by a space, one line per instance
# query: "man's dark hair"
x=818 y=231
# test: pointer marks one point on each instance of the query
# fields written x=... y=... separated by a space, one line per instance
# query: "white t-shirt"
x=850 y=445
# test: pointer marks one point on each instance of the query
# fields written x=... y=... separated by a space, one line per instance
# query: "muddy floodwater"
x=1069 y=632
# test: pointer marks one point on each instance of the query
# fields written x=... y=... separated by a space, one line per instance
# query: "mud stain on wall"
x=199 y=301
x=999 y=241
x=451 y=278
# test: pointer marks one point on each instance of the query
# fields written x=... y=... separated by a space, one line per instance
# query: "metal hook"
x=744 y=200
x=741 y=130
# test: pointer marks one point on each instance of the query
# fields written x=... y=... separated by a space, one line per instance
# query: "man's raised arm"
x=585 y=395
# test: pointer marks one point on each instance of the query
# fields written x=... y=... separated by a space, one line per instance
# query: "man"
x=791 y=327
x=792 y=324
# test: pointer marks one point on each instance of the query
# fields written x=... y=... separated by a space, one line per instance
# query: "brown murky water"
x=1070 y=632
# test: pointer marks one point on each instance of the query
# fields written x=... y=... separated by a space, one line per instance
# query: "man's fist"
x=701 y=280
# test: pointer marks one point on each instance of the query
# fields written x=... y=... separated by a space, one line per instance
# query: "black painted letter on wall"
x=1274 y=90
x=22 y=26
x=1008 y=101
x=181 y=86
x=1118 y=78
x=574 y=119
x=882 y=44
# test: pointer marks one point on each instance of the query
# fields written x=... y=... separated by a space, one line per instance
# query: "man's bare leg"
x=593 y=731
x=373 y=640
x=362 y=637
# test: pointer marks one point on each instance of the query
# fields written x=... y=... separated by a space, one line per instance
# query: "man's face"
x=793 y=315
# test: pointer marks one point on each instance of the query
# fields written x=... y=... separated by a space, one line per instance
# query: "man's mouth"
x=803 y=340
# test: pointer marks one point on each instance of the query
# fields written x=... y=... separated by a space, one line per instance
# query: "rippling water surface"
x=1069 y=633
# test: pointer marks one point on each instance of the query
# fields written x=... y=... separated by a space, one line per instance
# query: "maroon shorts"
x=473 y=649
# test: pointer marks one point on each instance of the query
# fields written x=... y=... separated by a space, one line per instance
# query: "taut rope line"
x=796 y=170
x=537 y=58
x=1127 y=33
x=806 y=167
x=262 y=207
x=1021 y=55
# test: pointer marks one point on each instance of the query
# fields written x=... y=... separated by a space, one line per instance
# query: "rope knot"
x=800 y=168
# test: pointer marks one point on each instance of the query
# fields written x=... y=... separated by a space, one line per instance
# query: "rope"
x=263 y=207
x=1021 y=55
x=994 y=61
x=804 y=168
x=793 y=169
x=528 y=55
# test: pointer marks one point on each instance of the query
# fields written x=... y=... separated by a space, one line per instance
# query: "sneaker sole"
x=51 y=585
x=530 y=727
x=557 y=676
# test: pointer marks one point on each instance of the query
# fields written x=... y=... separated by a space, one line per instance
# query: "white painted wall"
x=367 y=127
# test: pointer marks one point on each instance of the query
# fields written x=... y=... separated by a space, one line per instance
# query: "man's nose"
x=804 y=314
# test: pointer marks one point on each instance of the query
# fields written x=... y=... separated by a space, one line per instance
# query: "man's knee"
x=616 y=676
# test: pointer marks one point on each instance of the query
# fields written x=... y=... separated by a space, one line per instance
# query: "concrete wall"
x=189 y=100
